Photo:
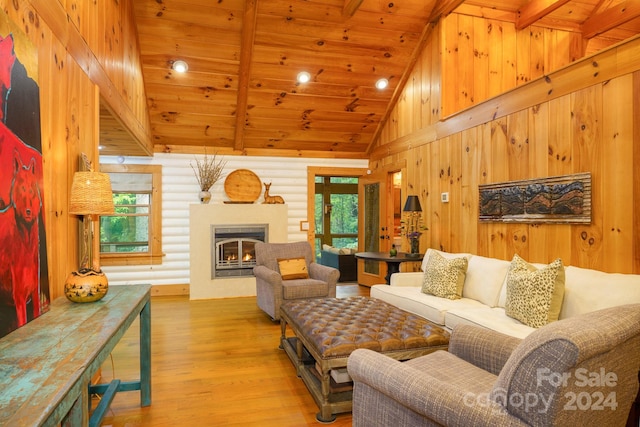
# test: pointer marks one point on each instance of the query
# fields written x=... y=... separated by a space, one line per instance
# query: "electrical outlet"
x=444 y=197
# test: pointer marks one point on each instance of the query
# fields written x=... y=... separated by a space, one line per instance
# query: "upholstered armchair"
x=578 y=371
x=273 y=288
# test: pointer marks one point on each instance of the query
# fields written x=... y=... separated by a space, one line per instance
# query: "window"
x=133 y=235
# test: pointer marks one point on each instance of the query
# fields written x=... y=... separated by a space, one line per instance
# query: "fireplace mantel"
x=201 y=218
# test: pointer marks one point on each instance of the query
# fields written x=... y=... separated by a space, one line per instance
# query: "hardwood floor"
x=214 y=362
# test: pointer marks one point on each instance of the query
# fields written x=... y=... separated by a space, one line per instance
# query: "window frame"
x=312 y=173
x=155 y=254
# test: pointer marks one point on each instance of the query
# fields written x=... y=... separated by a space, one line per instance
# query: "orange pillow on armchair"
x=293 y=268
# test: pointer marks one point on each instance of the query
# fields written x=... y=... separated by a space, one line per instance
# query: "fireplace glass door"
x=234 y=251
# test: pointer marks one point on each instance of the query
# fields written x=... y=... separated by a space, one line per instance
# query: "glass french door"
x=374 y=232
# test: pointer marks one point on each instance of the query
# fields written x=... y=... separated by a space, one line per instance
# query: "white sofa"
x=484 y=294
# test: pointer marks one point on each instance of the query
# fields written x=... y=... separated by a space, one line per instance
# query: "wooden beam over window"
x=610 y=18
x=350 y=7
x=535 y=10
x=246 y=51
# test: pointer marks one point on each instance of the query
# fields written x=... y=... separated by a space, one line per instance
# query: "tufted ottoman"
x=328 y=330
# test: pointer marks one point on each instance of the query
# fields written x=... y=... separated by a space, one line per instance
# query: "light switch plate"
x=444 y=197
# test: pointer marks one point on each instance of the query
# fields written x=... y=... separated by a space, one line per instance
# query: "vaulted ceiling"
x=240 y=94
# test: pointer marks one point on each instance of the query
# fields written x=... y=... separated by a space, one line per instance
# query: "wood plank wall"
x=486 y=57
x=85 y=50
x=589 y=124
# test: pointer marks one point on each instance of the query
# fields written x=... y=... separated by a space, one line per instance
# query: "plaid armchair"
x=577 y=371
x=272 y=289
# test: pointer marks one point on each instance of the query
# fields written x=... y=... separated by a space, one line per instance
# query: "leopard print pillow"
x=444 y=277
x=534 y=296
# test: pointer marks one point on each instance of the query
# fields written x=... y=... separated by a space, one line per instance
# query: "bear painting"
x=24 y=283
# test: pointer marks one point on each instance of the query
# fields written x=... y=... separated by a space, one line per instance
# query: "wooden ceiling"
x=240 y=93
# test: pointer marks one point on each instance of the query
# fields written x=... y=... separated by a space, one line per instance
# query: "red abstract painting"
x=24 y=283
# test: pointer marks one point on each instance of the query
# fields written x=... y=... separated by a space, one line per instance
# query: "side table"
x=393 y=262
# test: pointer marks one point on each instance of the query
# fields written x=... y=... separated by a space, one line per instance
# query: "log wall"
x=86 y=50
x=581 y=117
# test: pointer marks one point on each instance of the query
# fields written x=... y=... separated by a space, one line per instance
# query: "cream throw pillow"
x=534 y=296
x=293 y=268
x=444 y=277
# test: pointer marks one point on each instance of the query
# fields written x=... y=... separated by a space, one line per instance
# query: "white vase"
x=205 y=196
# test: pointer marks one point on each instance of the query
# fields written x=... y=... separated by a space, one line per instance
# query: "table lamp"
x=412 y=204
x=413 y=231
x=91 y=196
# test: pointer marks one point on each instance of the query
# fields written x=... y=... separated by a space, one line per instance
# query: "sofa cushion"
x=534 y=296
x=589 y=290
x=444 y=277
x=502 y=299
x=447 y=255
x=451 y=369
x=491 y=318
x=337 y=251
x=304 y=288
x=485 y=278
x=293 y=268
x=412 y=299
x=410 y=278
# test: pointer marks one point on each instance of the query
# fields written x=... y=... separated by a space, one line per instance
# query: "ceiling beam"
x=246 y=51
x=610 y=18
x=443 y=8
x=535 y=10
x=350 y=7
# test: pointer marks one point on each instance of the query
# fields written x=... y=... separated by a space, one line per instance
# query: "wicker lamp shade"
x=91 y=194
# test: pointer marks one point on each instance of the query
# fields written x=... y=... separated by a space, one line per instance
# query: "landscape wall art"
x=560 y=199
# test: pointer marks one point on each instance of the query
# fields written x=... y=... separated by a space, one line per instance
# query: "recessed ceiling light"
x=303 y=77
x=180 y=66
x=382 y=83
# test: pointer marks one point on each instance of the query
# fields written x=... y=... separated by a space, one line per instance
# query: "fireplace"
x=202 y=248
x=233 y=249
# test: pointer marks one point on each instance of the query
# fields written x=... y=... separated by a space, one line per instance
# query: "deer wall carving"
x=271 y=200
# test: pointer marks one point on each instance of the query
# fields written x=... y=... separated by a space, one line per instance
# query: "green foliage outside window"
x=344 y=214
x=128 y=229
x=336 y=212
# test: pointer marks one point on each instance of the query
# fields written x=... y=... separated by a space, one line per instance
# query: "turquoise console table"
x=47 y=365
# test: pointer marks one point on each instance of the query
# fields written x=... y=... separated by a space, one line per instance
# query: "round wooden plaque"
x=243 y=186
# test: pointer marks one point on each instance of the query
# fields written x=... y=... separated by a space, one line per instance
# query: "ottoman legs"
x=318 y=387
x=325 y=415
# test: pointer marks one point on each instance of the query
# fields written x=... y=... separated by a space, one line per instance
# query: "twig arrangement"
x=411 y=226
x=208 y=171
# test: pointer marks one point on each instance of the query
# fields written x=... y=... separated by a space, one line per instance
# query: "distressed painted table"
x=46 y=366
